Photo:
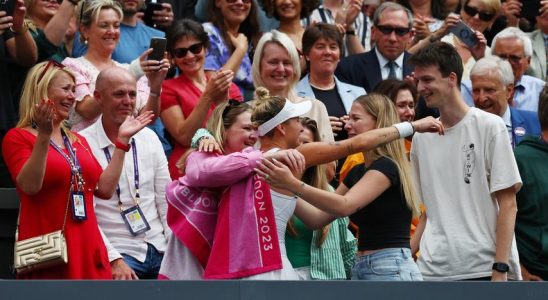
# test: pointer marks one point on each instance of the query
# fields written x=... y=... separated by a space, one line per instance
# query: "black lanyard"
x=75 y=167
x=135 y=173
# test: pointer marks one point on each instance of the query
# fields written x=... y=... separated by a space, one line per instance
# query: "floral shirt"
x=219 y=54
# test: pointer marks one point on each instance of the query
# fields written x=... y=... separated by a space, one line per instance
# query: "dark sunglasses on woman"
x=472 y=11
x=182 y=52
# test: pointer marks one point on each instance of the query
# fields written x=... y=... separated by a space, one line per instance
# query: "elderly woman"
x=57 y=175
x=188 y=100
x=479 y=15
x=323 y=47
x=276 y=67
x=100 y=29
x=233 y=32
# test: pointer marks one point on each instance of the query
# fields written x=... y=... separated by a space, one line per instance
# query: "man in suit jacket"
x=391 y=32
x=537 y=67
x=493 y=88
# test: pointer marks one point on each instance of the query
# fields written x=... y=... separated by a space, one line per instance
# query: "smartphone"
x=158 y=46
x=149 y=12
x=465 y=34
x=530 y=9
x=8 y=6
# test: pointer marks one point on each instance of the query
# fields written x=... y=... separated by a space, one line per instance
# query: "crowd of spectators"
x=279 y=139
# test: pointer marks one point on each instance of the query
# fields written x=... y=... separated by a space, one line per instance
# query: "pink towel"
x=245 y=243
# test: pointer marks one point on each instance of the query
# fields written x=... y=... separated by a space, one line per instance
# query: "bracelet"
x=351 y=32
x=23 y=30
x=300 y=194
x=405 y=129
x=122 y=146
x=153 y=94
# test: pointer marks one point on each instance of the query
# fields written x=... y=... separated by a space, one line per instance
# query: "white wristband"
x=405 y=129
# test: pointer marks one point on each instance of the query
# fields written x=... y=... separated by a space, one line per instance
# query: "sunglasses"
x=510 y=57
x=234 y=1
x=48 y=65
x=181 y=52
x=472 y=11
x=400 y=31
x=231 y=103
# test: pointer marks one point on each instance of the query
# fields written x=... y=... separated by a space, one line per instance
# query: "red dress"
x=182 y=92
x=44 y=212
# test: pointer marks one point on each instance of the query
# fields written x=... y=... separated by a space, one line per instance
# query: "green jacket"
x=532 y=200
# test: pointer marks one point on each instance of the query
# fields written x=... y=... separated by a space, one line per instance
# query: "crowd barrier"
x=239 y=289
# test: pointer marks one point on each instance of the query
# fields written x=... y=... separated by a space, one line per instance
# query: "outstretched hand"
x=428 y=124
x=132 y=125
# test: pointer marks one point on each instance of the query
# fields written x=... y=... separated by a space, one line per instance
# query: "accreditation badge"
x=135 y=220
x=78 y=206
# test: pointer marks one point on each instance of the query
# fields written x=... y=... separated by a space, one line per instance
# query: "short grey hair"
x=494 y=66
x=515 y=33
x=392 y=6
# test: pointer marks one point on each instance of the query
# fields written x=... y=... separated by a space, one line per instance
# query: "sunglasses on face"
x=472 y=11
x=181 y=52
x=48 y=65
x=400 y=31
x=234 y=1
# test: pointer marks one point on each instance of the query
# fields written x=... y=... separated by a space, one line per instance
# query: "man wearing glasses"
x=514 y=45
x=391 y=33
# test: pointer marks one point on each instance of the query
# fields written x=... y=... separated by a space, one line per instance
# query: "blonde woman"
x=378 y=196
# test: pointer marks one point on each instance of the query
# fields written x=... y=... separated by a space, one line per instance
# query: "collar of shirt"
x=506 y=117
x=383 y=61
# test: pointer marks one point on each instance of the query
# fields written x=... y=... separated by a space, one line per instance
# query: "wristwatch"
x=501 y=267
x=351 y=32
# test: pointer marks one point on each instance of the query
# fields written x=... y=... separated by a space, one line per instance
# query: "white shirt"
x=153 y=178
x=507 y=118
x=385 y=70
x=457 y=176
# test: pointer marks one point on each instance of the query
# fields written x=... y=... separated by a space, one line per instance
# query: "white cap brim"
x=290 y=110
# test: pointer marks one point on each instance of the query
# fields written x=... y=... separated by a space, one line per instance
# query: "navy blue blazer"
x=523 y=122
x=364 y=69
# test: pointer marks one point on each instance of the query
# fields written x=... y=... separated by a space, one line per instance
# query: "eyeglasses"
x=511 y=58
x=234 y=1
x=49 y=64
x=400 y=31
x=472 y=11
x=181 y=52
x=231 y=103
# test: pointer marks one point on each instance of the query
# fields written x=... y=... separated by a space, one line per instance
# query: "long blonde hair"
x=382 y=108
x=36 y=88
x=223 y=116
x=314 y=176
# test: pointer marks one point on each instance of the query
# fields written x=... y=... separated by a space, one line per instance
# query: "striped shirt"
x=362 y=25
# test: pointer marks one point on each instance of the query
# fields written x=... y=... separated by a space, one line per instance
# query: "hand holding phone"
x=158 y=46
x=8 y=6
x=465 y=34
x=149 y=13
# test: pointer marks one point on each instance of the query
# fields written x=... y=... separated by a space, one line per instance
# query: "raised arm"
x=320 y=153
x=57 y=27
x=21 y=47
x=155 y=72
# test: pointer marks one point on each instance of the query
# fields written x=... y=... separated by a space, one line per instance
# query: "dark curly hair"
x=307 y=6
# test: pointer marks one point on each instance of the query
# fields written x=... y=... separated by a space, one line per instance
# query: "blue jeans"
x=148 y=269
x=392 y=264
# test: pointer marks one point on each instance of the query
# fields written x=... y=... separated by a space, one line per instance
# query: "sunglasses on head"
x=181 y=52
x=400 y=31
x=231 y=103
x=472 y=11
x=49 y=64
x=234 y=1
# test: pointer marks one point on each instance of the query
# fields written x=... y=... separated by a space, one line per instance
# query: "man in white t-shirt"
x=467 y=179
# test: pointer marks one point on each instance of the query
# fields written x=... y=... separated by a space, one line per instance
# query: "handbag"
x=42 y=251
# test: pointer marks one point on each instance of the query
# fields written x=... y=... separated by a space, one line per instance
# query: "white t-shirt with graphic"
x=457 y=175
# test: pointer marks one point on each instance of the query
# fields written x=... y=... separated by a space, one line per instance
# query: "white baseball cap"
x=290 y=110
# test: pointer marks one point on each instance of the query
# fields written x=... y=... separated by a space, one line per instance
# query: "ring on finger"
x=266 y=177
